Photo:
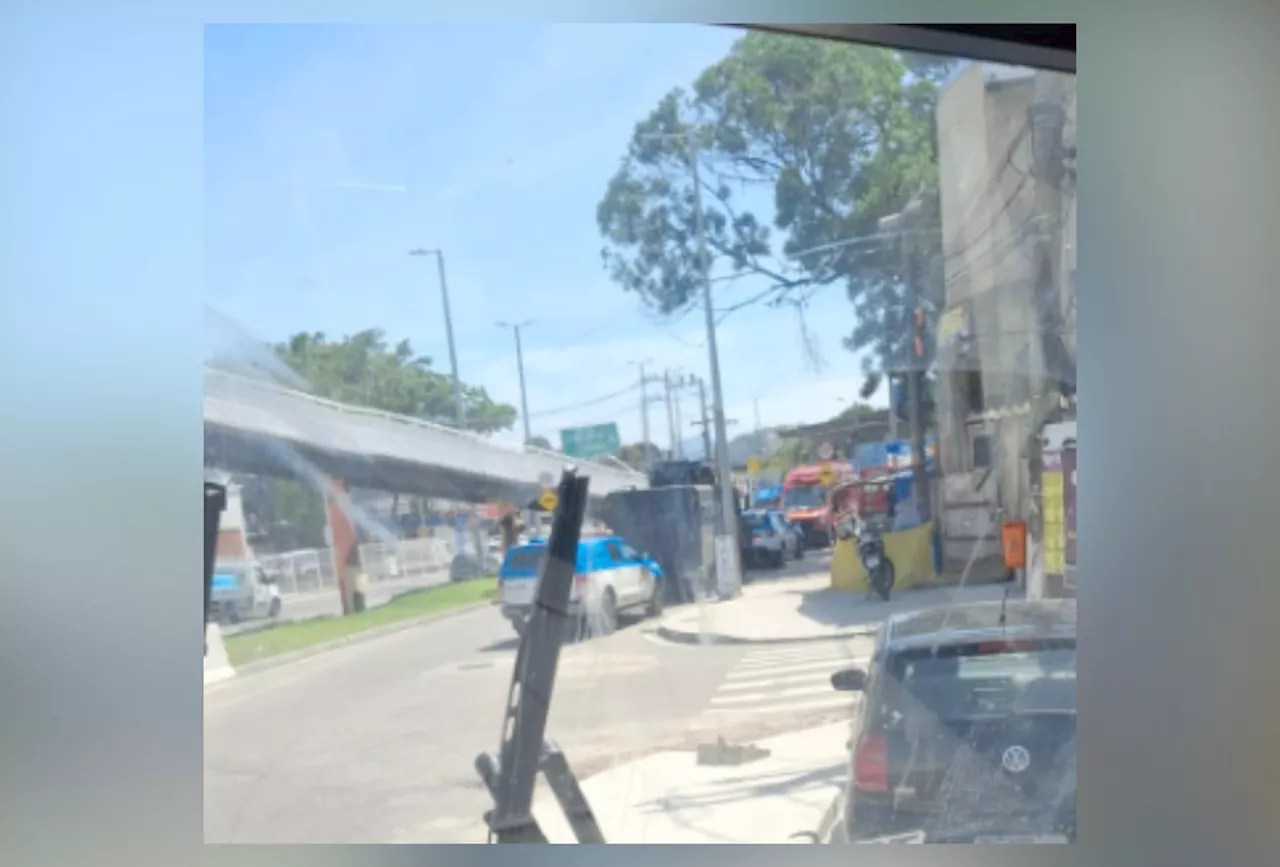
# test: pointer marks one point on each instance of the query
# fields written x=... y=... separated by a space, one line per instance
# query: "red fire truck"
x=805 y=499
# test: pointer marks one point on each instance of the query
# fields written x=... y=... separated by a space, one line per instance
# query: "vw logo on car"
x=1016 y=759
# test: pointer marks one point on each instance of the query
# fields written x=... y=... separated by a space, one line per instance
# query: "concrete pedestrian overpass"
x=254 y=426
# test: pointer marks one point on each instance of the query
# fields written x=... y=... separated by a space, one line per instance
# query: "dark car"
x=967 y=728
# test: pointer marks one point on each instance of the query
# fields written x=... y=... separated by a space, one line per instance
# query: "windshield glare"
x=446 y=262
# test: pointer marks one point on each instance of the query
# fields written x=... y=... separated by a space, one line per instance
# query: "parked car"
x=797 y=532
x=773 y=540
x=242 y=590
x=967 y=728
x=611 y=578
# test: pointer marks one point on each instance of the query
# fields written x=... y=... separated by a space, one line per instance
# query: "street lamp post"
x=524 y=403
x=459 y=413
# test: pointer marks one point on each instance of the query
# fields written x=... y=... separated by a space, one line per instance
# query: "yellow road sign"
x=753 y=465
x=827 y=476
x=549 y=500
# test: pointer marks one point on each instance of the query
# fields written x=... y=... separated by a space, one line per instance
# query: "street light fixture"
x=524 y=404
x=459 y=413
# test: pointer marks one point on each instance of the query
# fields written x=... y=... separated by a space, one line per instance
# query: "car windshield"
x=445 y=262
x=804 y=497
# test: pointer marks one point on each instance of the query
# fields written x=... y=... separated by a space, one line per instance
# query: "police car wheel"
x=656 y=600
x=607 y=621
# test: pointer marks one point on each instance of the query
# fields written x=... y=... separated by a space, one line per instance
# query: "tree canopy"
x=634 y=455
x=362 y=369
x=839 y=136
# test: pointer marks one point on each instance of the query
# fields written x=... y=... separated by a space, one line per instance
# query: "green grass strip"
x=287 y=637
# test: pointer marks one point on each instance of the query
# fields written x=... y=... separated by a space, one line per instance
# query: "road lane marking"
x=822 y=676
x=787 y=680
x=834 y=702
x=770 y=695
x=756 y=673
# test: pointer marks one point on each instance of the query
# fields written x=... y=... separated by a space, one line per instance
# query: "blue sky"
x=330 y=151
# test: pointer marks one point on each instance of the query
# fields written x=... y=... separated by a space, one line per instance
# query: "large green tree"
x=838 y=136
x=364 y=370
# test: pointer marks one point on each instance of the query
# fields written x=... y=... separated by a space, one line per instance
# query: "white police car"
x=610 y=577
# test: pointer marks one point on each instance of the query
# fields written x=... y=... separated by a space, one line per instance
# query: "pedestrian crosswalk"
x=792 y=678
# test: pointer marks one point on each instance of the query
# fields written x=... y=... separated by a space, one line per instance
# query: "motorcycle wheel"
x=882 y=580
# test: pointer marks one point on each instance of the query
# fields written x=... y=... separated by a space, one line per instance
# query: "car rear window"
x=524 y=559
x=972 y=682
x=757 y=521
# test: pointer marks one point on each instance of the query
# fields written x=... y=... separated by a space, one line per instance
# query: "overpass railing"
x=265 y=408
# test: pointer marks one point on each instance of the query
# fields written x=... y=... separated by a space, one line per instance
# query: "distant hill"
x=758 y=444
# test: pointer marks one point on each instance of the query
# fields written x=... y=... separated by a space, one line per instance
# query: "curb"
x=357 y=638
x=680 y=636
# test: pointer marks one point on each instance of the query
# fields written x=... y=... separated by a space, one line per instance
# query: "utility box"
x=674 y=525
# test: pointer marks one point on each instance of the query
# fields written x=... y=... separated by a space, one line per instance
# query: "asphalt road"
x=376 y=742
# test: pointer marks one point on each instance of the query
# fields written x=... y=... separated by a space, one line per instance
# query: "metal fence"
x=423 y=561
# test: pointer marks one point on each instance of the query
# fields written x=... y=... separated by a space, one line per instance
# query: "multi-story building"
x=1006 y=333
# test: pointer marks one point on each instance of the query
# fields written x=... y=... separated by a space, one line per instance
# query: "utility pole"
x=893 y=409
x=644 y=415
x=524 y=403
x=915 y=369
x=706 y=422
x=678 y=392
x=728 y=568
x=671 y=416
x=460 y=414
x=915 y=399
x=727 y=543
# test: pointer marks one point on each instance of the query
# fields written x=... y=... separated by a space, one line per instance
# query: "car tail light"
x=871 y=764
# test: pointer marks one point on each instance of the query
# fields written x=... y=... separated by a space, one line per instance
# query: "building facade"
x=1006 y=333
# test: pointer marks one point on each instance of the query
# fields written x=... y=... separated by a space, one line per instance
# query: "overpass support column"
x=342 y=539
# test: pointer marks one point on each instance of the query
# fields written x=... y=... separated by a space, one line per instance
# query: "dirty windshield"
x=445 y=262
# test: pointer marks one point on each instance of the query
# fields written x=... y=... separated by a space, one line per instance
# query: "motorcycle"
x=880 y=572
x=879 y=567
x=853 y=523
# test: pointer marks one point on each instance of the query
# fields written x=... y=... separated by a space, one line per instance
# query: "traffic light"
x=918 y=323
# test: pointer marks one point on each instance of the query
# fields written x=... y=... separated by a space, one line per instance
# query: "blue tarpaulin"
x=768 y=495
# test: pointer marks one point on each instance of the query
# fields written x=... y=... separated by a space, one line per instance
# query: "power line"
x=586 y=403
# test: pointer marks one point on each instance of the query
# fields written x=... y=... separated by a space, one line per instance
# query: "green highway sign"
x=588 y=443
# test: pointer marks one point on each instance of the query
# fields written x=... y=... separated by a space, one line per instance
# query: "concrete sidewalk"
x=669 y=798
x=805 y=609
